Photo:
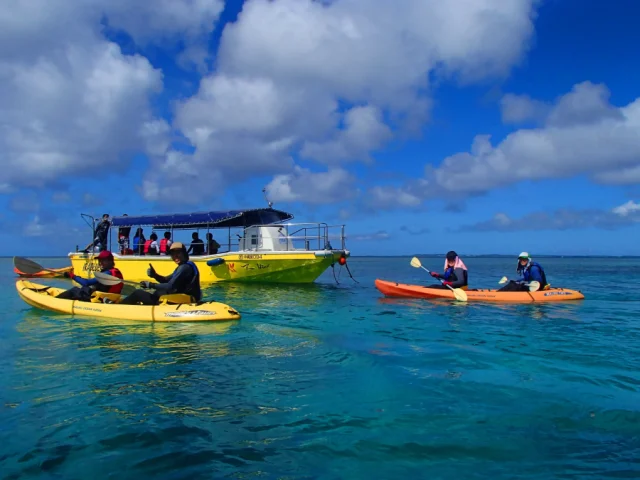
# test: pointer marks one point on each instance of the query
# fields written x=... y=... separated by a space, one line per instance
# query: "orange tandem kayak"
x=57 y=272
x=395 y=289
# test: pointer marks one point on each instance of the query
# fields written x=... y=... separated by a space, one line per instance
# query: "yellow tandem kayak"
x=171 y=309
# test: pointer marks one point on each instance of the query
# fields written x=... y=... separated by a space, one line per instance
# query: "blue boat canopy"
x=220 y=219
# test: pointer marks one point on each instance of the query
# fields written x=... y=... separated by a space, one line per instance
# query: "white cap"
x=524 y=255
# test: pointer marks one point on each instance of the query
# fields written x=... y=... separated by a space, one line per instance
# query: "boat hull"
x=56 y=272
x=43 y=297
x=395 y=289
x=258 y=267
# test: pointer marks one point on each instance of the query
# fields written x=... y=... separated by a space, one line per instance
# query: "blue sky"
x=486 y=129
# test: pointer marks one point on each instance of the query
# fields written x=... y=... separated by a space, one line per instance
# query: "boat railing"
x=266 y=237
x=294 y=237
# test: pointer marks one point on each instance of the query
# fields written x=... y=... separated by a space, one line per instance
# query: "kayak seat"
x=98 y=297
x=176 y=299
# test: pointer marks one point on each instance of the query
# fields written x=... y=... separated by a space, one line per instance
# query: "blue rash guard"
x=533 y=271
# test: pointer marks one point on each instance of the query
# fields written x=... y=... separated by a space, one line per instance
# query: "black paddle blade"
x=27 y=266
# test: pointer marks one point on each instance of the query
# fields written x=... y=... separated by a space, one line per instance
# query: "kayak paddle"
x=29 y=266
x=534 y=285
x=110 y=280
x=457 y=292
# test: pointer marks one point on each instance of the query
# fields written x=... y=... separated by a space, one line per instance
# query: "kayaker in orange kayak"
x=529 y=271
x=455 y=273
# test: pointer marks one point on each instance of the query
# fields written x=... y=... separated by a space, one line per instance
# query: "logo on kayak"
x=549 y=294
x=190 y=313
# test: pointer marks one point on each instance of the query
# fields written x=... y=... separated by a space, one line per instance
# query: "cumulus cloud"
x=330 y=83
x=522 y=108
x=379 y=235
x=389 y=197
x=71 y=102
x=562 y=219
x=335 y=184
x=582 y=133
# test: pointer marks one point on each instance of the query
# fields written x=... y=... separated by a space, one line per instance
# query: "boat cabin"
x=259 y=229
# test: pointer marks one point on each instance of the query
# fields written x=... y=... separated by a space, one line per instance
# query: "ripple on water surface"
x=330 y=381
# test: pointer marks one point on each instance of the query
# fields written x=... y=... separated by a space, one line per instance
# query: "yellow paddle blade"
x=534 y=286
x=503 y=280
x=415 y=262
x=460 y=294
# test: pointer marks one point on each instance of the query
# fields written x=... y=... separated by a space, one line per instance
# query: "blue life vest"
x=526 y=273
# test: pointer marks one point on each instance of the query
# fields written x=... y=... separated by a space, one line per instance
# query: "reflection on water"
x=268 y=298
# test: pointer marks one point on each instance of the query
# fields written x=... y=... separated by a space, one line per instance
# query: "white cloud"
x=582 y=134
x=363 y=131
x=147 y=22
x=286 y=69
x=562 y=219
x=522 y=108
x=71 y=102
x=392 y=197
x=628 y=209
x=379 y=235
x=303 y=185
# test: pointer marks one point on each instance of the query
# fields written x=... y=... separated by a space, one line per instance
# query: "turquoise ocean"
x=332 y=381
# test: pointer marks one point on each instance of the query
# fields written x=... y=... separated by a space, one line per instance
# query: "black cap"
x=451 y=255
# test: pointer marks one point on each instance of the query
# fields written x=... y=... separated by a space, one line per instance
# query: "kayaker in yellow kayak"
x=529 y=271
x=90 y=285
x=184 y=279
x=455 y=273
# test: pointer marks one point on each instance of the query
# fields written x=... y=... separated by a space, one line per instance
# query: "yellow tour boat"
x=255 y=246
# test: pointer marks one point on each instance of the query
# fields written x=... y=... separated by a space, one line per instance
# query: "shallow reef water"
x=332 y=381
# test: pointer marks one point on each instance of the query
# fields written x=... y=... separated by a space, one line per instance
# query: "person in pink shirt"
x=455 y=273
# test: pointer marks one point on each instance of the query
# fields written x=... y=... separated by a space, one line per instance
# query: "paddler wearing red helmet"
x=90 y=285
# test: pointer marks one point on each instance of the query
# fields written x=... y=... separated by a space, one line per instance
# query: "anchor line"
x=334 y=273
x=349 y=271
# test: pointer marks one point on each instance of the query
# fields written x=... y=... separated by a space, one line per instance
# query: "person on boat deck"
x=529 y=271
x=151 y=245
x=197 y=245
x=455 y=273
x=212 y=245
x=123 y=238
x=165 y=243
x=138 y=241
x=184 y=279
x=90 y=285
x=101 y=235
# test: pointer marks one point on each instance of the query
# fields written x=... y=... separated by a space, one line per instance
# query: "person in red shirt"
x=90 y=285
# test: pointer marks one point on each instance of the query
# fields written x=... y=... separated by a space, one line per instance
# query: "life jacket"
x=147 y=244
x=526 y=273
x=111 y=288
x=163 y=245
x=449 y=275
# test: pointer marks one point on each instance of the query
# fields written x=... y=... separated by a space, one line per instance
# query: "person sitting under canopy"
x=184 y=279
x=455 y=273
x=90 y=285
